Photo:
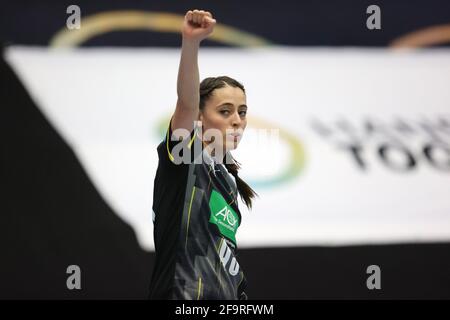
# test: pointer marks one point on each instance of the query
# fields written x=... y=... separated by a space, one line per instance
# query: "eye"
x=225 y=112
x=243 y=113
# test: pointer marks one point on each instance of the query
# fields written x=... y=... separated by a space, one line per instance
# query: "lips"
x=235 y=136
x=235 y=133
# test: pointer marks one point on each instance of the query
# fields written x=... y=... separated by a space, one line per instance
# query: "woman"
x=195 y=209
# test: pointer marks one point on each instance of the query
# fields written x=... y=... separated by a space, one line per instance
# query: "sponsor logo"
x=223 y=215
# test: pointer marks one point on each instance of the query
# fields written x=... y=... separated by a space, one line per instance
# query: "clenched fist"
x=197 y=25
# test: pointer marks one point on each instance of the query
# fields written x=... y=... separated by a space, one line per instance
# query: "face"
x=225 y=111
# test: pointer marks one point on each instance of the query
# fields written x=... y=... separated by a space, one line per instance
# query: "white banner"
x=360 y=154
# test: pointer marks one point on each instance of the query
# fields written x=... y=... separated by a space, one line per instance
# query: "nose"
x=236 y=120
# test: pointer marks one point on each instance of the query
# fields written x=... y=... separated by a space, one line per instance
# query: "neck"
x=211 y=150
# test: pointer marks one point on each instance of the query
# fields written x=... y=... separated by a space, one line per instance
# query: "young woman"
x=195 y=209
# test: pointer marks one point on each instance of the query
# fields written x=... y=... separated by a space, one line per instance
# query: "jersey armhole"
x=170 y=141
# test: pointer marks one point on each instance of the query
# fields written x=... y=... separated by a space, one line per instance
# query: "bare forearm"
x=197 y=25
x=188 y=83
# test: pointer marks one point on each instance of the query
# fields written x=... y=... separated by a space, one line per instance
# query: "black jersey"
x=195 y=217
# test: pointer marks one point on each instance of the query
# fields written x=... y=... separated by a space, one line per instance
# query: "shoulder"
x=178 y=145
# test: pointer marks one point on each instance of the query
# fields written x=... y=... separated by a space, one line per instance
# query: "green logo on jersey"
x=223 y=215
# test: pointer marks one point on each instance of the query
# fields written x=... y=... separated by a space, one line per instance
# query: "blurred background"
x=348 y=143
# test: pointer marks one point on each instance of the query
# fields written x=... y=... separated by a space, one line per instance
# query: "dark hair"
x=207 y=86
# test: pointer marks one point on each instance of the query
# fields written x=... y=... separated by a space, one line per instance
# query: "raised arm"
x=197 y=25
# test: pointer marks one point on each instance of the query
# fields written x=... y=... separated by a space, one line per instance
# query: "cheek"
x=213 y=122
x=218 y=122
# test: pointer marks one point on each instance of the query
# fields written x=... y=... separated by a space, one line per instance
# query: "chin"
x=231 y=146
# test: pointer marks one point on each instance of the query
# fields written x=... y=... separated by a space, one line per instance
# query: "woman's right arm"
x=197 y=25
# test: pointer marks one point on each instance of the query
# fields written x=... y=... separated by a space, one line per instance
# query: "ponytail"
x=244 y=190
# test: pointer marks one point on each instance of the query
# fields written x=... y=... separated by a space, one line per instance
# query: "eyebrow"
x=230 y=104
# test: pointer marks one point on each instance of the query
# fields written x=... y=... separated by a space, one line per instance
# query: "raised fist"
x=197 y=25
